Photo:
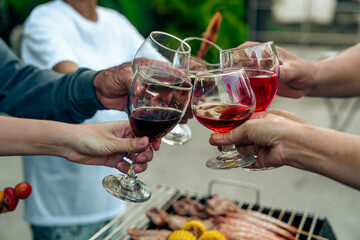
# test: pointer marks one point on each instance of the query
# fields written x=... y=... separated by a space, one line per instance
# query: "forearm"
x=26 y=91
x=33 y=137
x=324 y=151
x=338 y=77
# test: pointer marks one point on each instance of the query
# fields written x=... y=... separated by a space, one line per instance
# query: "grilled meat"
x=189 y=207
x=157 y=216
x=141 y=234
x=217 y=206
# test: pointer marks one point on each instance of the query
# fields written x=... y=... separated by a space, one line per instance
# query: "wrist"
x=299 y=146
x=316 y=71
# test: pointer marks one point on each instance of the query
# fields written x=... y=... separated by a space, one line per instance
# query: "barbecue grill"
x=310 y=225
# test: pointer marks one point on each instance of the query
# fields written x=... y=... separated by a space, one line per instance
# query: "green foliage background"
x=182 y=18
x=185 y=18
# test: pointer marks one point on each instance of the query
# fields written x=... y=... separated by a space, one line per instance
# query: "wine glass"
x=204 y=55
x=158 y=48
x=156 y=102
x=261 y=64
x=222 y=100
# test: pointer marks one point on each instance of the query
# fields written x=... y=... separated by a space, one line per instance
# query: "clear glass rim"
x=182 y=42
x=208 y=41
x=235 y=49
x=186 y=81
x=204 y=40
x=221 y=72
x=252 y=46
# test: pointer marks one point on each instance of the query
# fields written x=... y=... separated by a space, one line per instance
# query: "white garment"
x=299 y=11
x=64 y=192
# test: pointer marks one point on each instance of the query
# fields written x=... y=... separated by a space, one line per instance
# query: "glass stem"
x=131 y=173
x=228 y=152
x=229 y=149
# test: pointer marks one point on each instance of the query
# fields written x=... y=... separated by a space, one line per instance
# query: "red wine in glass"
x=153 y=122
x=221 y=117
x=156 y=102
x=222 y=99
x=264 y=84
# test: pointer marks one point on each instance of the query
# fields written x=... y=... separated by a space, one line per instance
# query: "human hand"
x=112 y=85
x=107 y=144
x=296 y=75
x=265 y=135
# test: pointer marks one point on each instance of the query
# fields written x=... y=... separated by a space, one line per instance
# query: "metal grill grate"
x=310 y=225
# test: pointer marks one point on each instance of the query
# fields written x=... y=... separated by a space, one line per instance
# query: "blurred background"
x=312 y=29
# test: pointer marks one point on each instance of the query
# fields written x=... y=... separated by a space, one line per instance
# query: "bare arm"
x=93 y=144
x=278 y=141
x=65 y=67
x=337 y=77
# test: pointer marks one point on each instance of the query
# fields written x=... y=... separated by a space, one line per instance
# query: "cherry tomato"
x=9 y=199
x=22 y=190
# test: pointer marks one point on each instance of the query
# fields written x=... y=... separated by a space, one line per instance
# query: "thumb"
x=236 y=136
x=221 y=139
x=132 y=144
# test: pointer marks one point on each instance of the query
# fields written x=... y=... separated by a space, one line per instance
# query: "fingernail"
x=140 y=168
x=141 y=159
x=217 y=136
x=142 y=141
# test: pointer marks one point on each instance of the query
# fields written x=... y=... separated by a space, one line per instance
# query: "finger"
x=132 y=144
x=183 y=121
x=123 y=166
x=225 y=138
x=288 y=115
x=144 y=156
x=156 y=145
x=246 y=149
x=258 y=115
x=138 y=168
x=216 y=139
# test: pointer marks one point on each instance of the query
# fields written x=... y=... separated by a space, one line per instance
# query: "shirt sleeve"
x=26 y=91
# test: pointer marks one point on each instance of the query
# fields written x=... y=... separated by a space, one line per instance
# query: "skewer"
x=312 y=235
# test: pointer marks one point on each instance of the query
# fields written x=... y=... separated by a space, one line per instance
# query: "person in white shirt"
x=68 y=199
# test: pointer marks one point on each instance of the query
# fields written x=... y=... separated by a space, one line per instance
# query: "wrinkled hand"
x=107 y=144
x=264 y=134
x=296 y=75
x=112 y=86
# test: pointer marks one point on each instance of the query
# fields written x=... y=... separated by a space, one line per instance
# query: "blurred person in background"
x=63 y=36
x=282 y=138
x=27 y=92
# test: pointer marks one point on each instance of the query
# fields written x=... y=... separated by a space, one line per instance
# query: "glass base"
x=180 y=135
x=234 y=162
x=257 y=169
x=126 y=188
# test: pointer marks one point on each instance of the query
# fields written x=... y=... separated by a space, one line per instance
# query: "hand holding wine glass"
x=222 y=99
x=161 y=48
x=156 y=102
x=261 y=64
